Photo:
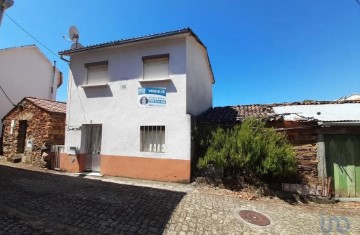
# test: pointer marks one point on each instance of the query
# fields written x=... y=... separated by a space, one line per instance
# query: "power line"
x=29 y=34
x=7 y=96
x=358 y=1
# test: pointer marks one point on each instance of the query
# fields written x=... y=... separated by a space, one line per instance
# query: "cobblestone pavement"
x=33 y=202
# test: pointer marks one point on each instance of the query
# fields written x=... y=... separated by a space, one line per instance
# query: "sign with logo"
x=151 y=97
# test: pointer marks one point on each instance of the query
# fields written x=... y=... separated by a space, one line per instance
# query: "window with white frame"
x=97 y=72
x=156 y=66
x=152 y=139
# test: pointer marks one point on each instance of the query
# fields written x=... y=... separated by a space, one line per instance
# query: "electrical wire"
x=30 y=35
x=358 y=1
x=7 y=96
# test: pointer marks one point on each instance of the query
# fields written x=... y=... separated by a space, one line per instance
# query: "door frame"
x=93 y=158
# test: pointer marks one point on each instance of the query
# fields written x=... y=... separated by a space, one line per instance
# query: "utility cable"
x=7 y=96
x=30 y=35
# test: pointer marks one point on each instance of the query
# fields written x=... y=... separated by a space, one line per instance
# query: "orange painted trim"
x=72 y=163
x=146 y=168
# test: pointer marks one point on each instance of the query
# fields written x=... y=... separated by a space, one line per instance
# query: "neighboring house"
x=26 y=72
x=130 y=105
x=32 y=126
x=325 y=136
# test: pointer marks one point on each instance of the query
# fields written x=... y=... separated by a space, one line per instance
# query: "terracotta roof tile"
x=48 y=105
x=236 y=114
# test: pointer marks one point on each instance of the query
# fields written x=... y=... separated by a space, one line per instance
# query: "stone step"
x=3 y=159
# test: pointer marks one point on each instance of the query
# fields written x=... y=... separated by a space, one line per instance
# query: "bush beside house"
x=249 y=148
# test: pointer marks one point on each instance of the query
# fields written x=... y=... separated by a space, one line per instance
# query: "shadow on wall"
x=76 y=205
x=98 y=91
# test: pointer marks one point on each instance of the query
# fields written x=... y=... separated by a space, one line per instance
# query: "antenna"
x=74 y=37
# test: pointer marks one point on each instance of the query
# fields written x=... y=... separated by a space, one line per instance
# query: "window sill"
x=95 y=85
x=154 y=80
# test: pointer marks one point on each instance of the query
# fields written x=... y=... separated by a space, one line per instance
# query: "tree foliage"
x=252 y=147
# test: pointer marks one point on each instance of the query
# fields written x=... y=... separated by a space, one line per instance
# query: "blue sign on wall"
x=151 y=96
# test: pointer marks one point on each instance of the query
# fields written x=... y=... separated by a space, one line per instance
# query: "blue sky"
x=261 y=51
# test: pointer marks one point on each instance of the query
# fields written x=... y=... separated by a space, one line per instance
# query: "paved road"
x=37 y=202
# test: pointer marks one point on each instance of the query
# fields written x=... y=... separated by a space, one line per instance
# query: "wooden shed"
x=32 y=127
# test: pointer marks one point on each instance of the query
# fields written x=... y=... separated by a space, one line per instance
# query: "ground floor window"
x=152 y=139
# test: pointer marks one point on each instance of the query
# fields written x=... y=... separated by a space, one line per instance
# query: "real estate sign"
x=151 y=97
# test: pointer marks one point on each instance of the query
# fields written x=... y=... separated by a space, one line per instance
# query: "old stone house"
x=32 y=127
x=325 y=136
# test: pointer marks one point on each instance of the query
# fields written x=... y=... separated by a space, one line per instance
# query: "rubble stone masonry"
x=43 y=127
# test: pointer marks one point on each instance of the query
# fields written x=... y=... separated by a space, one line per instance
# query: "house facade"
x=32 y=127
x=26 y=72
x=130 y=105
x=325 y=136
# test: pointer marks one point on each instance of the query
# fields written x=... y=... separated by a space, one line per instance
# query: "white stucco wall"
x=199 y=78
x=25 y=72
x=115 y=106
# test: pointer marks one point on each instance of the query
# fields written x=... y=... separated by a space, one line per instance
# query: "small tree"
x=252 y=147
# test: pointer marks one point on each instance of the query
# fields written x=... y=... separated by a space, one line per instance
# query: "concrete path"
x=41 y=202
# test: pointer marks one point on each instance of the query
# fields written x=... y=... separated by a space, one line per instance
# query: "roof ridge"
x=55 y=101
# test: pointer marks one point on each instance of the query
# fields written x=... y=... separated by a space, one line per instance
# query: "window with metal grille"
x=97 y=72
x=152 y=139
x=156 y=67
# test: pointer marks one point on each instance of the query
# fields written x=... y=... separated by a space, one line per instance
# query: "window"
x=152 y=139
x=156 y=67
x=97 y=72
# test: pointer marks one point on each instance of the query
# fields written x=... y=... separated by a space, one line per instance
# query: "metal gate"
x=55 y=160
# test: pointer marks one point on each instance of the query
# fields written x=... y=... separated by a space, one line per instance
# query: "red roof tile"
x=48 y=105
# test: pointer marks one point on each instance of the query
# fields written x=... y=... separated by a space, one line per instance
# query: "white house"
x=130 y=104
x=26 y=72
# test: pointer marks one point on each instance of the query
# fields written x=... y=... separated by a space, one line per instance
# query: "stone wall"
x=303 y=136
x=42 y=128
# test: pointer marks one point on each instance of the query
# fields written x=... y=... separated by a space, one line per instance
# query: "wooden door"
x=21 y=136
x=343 y=163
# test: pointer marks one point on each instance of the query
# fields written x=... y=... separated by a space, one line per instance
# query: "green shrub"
x=252 y=147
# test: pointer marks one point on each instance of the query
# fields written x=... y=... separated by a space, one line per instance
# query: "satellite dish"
x=74 y=37
x=74 y=34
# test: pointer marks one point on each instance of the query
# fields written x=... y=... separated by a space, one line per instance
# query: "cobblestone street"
x=46 y=203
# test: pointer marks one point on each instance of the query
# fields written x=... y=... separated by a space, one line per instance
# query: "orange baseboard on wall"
x=72 y=163
x=146 y=168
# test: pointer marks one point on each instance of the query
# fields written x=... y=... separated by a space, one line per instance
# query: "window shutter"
x=156 y=68
x=97 y=74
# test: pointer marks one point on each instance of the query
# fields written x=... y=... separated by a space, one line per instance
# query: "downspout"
x=53 y=81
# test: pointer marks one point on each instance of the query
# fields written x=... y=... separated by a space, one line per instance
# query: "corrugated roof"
x=277 y=112
x=48 y=105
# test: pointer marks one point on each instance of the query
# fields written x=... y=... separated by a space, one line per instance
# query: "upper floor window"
x=97 y=72
x=156 y=66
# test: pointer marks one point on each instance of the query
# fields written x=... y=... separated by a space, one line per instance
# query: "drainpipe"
x=53 y=80
x=4 y=4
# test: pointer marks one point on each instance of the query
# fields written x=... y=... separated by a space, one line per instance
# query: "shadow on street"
x=36 y=202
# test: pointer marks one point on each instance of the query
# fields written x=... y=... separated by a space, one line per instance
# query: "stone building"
x=325 y=136
x=31 y=127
